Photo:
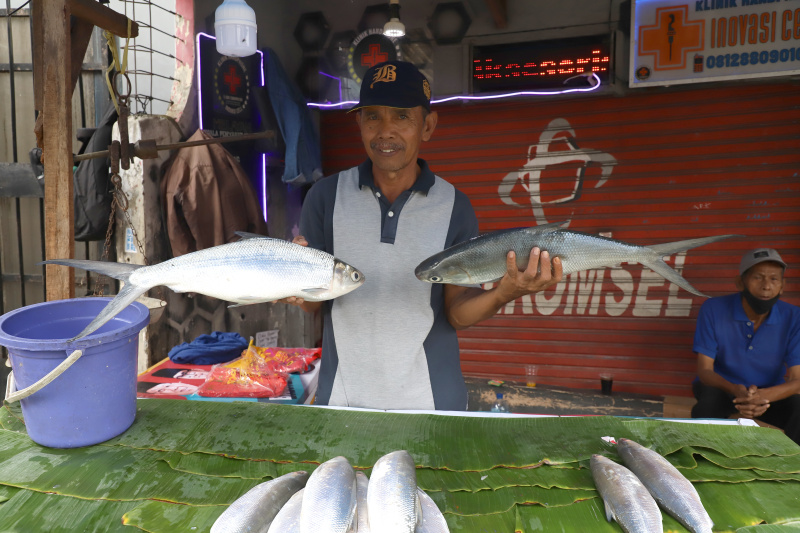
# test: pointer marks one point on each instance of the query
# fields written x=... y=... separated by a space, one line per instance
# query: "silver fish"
x=254 y=511
x=392 y=500
x=432 y=518
x=362 y=486
x=483 y=259
x=329 y=502
x=626 y=500
x=288 y=518
x=252 y=270
x=673 y=492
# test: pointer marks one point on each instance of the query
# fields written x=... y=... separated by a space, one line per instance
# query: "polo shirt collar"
x=739 y=314
x=424 y=182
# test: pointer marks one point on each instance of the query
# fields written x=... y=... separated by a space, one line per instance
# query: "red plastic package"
x=257 y=373
x=288 y=360
x=246 y=376
x=226 y=382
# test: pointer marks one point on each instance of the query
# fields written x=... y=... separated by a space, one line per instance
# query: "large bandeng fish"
x=393 y=504
x=483 y=259
x=252 y=270
x=673 y=492
x=625 y=499
x=259 y=507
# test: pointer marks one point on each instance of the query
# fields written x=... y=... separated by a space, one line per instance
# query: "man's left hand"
x=753 y=405
x=541 y=273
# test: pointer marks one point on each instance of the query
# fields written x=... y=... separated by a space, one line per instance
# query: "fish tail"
x=658 y=265
x=123 y=299
x=670 y=248
x=665 y=271
x=120 y=271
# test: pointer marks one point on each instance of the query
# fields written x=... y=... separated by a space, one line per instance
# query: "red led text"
x=486 y=69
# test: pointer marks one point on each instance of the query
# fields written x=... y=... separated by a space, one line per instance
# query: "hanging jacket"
x=303 y=159
x=207 y=197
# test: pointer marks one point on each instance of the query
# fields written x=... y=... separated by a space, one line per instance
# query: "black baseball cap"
x=397 y=84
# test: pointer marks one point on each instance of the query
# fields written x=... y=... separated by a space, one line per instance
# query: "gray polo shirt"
x=388 y=344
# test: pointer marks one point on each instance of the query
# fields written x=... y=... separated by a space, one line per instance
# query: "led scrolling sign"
x=539 y=64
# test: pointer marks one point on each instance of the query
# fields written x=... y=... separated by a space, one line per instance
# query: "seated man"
x=748 y=349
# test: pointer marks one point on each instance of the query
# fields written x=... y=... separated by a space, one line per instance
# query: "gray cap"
x=759 y=255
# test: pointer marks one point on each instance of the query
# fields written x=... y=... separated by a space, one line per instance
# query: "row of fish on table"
x=337 y=499
x=259 y=269
x=632 y=494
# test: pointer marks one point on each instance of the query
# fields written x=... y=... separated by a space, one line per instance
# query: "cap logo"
x=385 y=73
x=426 y=88
x=762 y=253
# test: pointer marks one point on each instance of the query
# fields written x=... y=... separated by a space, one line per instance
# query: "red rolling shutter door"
x=647 y=168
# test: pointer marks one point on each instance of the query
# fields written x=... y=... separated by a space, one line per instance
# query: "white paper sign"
x=676 y=42
x=267 y=339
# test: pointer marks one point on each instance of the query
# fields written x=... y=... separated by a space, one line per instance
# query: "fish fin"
x=127 y=295
x=247 y=235
x=249 y=301
x=665 y=271
x=120 y=271
x=418 y=508
x=315 y=290
x=546 y=228
x=670 y=248
x=233 y=306
x=609 y=512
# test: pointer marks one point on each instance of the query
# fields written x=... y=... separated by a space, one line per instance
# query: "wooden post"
x=103 y=17
x=59 y=224
x=38 y=84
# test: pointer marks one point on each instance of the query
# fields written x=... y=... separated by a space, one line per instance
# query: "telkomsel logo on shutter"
x=608 y=291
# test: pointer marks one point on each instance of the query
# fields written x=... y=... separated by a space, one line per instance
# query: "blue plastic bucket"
x=94 y=399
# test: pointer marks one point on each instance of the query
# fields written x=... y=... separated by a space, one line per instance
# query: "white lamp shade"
x=235 y=29
x=394 y=28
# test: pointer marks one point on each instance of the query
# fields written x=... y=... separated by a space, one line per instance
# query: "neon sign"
x=538 y=65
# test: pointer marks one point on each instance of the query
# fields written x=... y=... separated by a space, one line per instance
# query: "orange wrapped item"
x=249 y=376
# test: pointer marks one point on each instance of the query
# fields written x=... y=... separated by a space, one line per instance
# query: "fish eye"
x=356 y=275
x=436 y=279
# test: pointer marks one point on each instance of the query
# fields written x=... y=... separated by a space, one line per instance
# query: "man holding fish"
x=748 y=349
x=392 y=344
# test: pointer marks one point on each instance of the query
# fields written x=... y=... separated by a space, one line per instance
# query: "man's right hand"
x=294 y=300
x=752 y=404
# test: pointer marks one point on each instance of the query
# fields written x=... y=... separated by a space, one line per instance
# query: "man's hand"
x=540 y=274
x=294 y=300
x=740 y=391
x=751 y=405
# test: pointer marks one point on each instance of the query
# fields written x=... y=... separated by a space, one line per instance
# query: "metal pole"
x=176 y=146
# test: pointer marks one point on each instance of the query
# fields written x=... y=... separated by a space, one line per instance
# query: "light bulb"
x=394 y=28
x=235 y=26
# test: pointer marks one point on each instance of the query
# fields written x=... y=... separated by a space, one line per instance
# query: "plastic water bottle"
x=500 y=405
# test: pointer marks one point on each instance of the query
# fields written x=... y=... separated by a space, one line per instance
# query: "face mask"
x=761 y=307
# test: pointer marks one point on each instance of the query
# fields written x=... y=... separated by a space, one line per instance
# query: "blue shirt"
x=741 y=355
x=388 y=344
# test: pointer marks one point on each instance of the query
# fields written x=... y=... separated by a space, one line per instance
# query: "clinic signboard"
x=693 y=41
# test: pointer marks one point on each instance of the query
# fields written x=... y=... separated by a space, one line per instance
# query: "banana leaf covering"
x=182 y=463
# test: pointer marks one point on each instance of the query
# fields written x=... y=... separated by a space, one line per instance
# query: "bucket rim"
x=93 y=339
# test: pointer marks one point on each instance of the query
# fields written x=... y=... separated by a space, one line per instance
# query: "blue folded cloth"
x=219 y=347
